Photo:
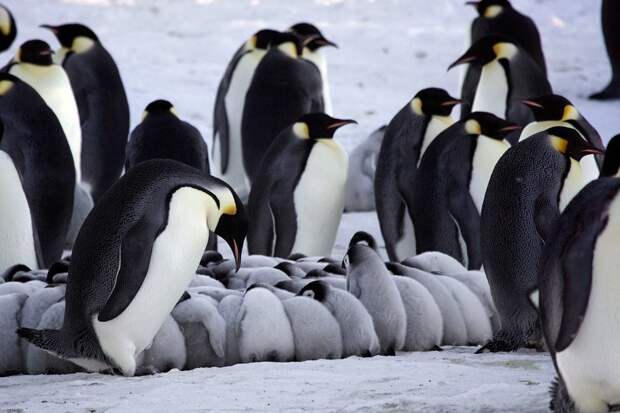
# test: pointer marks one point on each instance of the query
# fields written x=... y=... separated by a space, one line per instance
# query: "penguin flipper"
x=546 y=216
x=464 y=210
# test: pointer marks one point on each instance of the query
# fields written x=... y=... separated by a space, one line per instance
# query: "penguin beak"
x=236 y=254
x=339 y=123
x=53 y=29
x=593 y=151
x=466 y=58
x=532 y=104
x=452 y=102
x=322 y=41
x=510 y=128
x=233 y=229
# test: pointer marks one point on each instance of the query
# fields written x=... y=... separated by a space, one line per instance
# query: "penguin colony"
x=500 y=224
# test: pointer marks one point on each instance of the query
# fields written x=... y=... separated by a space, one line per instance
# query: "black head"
x=316 y=289
x=233 y=227
x=36 y=52
x=570 y=142
x=318 y=126
x=487 y=124
x=363 y=237
x=486 y=50
x=552 y=107
x=67 y=33
x=433 y=101
x=262 y=39
x=611 y=163
x=159 y=107
x=8 y=30
x=317 y=39
x=290 y=43
x=490 y=8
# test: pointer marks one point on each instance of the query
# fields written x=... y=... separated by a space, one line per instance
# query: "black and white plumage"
x=8 y=29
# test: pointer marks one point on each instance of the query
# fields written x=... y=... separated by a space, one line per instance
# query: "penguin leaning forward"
x=135 y=255
x=529 y=188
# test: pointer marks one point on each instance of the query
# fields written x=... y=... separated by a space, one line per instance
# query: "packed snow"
x=389 y=49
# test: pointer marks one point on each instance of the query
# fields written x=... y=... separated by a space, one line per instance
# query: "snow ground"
x=389 y=49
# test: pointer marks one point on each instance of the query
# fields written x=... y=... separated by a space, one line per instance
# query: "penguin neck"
x=492 y=90
x=573 y=182
x=486 y=155
x=436 y=125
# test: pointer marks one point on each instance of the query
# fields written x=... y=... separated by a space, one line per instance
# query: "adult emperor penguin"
x=284 y=87
x=508 y=74
x=134 y=257
x=101 y=101
x=38 y=178
x=297 y=198
x=8 y=29
x=499 y=17
x=529 y=188
x=578 y=310
x=228 y=110
x=373 y=285
x=313 y=51
x=610 y=13
x=451 y=183
x=555 y=110
x=406 y=138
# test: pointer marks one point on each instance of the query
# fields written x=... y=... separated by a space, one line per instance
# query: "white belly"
x=590 y=365
x=52 y=84
x=319 y=198
x=16 y=231
x=436 y=125
x=487 y=153
x=573 y=183
x=176 y=254
x=235 y=100
x=492 y=91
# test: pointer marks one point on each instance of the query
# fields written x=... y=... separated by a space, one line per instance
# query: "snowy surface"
x=389 y=49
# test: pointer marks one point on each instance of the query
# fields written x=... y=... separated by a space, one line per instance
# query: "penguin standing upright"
x=284 y=87
x=228 y=110
x=529 y=188
x=406 y=138
x=313 y=52
x=610 y=13
x=578 y=286
x=451 y=183
x=499 y=17
x=297 y=198
x=102 y=104
x=508 y=74
x=8 y=29
x=134 y=257
x=37 y=168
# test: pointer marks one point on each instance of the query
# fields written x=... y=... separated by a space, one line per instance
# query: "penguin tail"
x=48 y=340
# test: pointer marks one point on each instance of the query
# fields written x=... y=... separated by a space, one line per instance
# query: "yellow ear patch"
x=5 y=21
x=229 y=208
x=504 y=50
x=559 y=144
x=301 y=130
x=493 y=11
x=289 y=49
x=473 y=127
x=251 y=43
x=5 y=86
x=144 y=115
x=82 y=44
x=173 y=110
x=570 y=113
x=416 y=106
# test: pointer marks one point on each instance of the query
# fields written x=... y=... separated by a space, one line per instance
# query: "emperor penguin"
x=230 y=307
x=101 y=101
x=530 y=186
x=406 y=138
x=134 y=257
x=297 y=198
x=610 y=13
x=370 y=282
x=38 y=178
x=555 y=110
x=284 y=87
x=313 y=51
x=577 y=288
x=166 y=352
x=359 y=337
x=228 y=110
x=508 y=74
x=499 y=17
x=611 y=162
x=435 y=263
x=8 y=29
x=451 y=183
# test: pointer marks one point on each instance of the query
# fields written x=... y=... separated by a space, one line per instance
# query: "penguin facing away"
x=101 y=102
x=297 y=198
x=228 y=110
x=8 y=29
x=406 y=138
x=153 y=223
x=610 y=13
x=520 y=212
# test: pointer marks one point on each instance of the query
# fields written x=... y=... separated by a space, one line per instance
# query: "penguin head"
x=487 y=49
x=262 y=39
x=487 y=124
x=317 y=290
x=490 y=9
x=232 y=225
x=611 y=163
x=73 y=36
x=8 y=30
x=290 y=43
x=571 y=143
x=552 y=107
x=318 y=126
x=159 y=107
x=317 y=39
x=433 y=102
x=36 y=52
x=362 y=245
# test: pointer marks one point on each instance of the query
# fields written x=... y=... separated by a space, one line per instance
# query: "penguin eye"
x=309 y=294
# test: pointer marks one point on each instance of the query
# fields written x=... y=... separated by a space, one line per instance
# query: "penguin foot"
x=436 y=348
x=612 y=91
x=497 y=346
x=146 y=371
x=560 y=400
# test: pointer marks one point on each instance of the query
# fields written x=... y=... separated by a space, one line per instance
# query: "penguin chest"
x=574 y=181
x=487 y=154
x=319 y=198
x=175 y=256
x=591 y=363
x=492 y=91
x=16 y=230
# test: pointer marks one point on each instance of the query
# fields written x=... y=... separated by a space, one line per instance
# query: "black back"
x=526 y=79
x=7 y=40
